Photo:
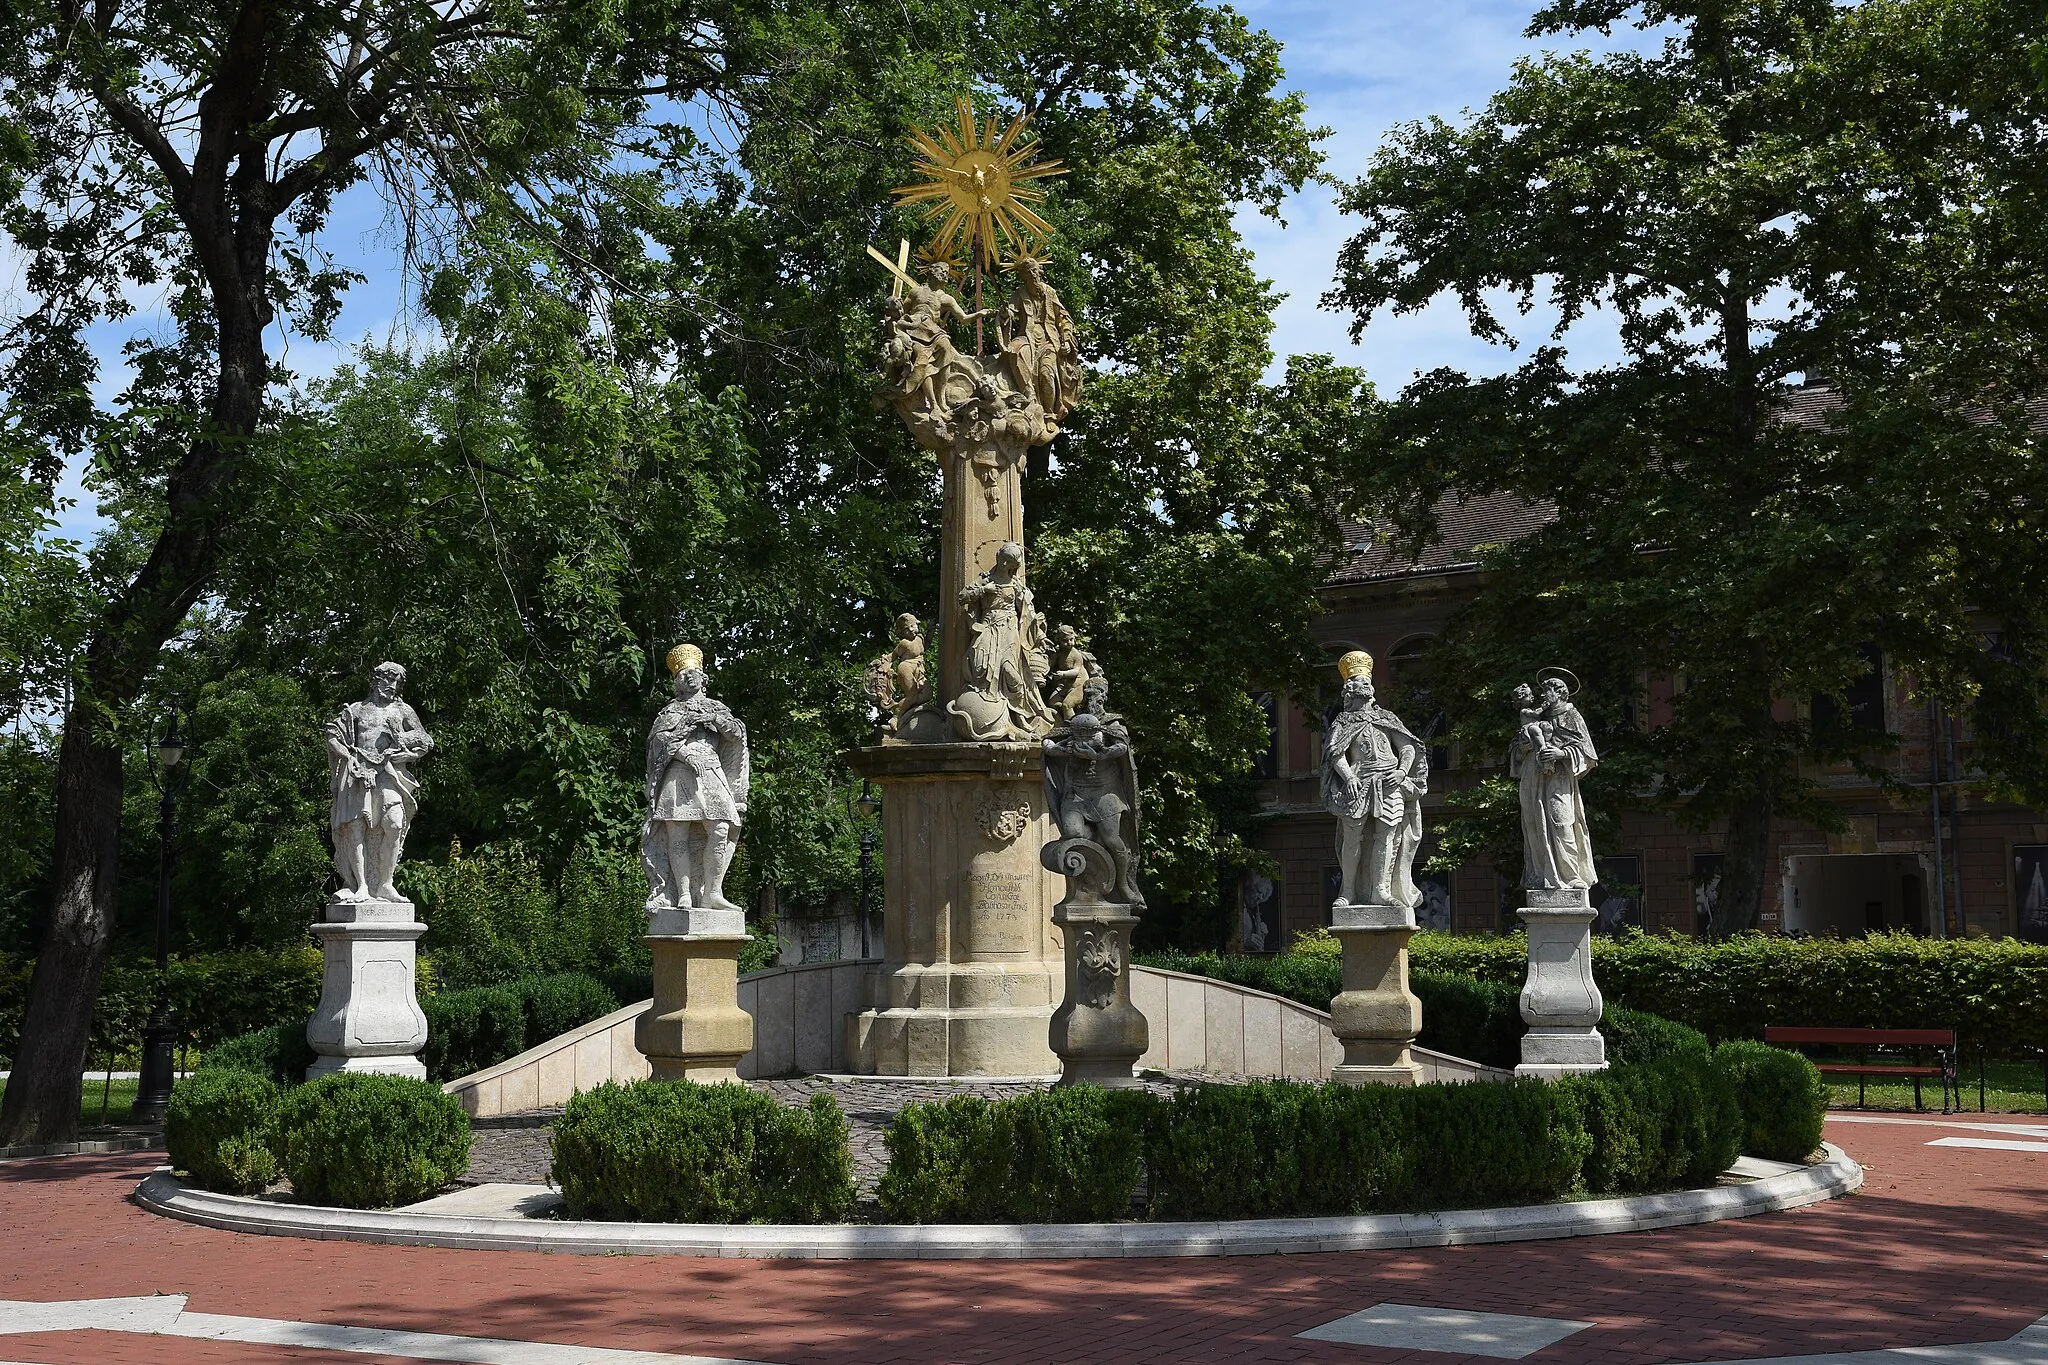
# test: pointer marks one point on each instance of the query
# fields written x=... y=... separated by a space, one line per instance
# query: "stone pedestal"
x=1097 y=1033
x=971 y=962
x=1376 y=1016
x=369 y=1016
x=1560 y=1003
x=696 y=1029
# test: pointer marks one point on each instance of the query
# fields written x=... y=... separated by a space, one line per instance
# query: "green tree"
x=1770 y=190
x=198 y=150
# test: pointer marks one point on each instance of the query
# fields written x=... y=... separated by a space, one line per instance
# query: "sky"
x=1363 y=66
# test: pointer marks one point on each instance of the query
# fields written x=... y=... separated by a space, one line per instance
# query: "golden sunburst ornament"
x=976 y=186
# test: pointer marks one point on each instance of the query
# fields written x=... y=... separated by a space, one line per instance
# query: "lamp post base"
x=153 y=1090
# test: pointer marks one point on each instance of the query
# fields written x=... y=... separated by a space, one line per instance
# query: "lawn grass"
x=2009 y=1088
x=119 y=1096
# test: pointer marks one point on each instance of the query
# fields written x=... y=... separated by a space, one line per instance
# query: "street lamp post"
x=867 y=805
x=153 y=1090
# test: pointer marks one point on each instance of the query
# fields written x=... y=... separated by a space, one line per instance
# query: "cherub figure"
x=1072 y=666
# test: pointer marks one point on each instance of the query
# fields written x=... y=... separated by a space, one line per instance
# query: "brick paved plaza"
x=1944 y=1246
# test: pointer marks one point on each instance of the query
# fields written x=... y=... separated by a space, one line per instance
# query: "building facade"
x=1937 y=858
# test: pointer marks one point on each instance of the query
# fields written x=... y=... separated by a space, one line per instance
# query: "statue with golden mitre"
x=1375 y=772
x=697 y=773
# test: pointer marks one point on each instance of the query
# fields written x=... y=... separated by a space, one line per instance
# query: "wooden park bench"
x=1941 y=1040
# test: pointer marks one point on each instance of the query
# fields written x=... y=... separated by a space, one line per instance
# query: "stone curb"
x=139 y=1142
x=1830 y=1178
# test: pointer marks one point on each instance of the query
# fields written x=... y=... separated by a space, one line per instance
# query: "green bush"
x=1992 y=991
x=1283 y=1148
x=1672 y=1121
x=1480 y=1021
x=279 y=1052
x=1067 y=1155
x=679 y=1152
x=555 y=1004
x=1635 y=1038
x=369 y=1141
x=1783 y=1097
x=468 y=1030
x=217 y=1129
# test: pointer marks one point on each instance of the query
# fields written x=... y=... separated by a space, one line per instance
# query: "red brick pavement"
x=1944 y=1245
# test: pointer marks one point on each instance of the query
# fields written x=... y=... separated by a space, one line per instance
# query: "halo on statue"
x=1572 y=686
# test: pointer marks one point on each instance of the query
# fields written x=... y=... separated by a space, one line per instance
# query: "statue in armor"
x=697 y=773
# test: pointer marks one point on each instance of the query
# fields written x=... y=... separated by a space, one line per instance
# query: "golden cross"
x=899 y=268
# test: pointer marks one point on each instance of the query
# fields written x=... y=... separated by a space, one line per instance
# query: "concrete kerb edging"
x=1837 y=1174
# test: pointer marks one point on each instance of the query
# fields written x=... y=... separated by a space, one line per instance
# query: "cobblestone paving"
x=515 y=1148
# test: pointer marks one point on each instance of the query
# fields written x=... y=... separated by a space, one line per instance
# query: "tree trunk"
x=1745 y=864
x=41 y=1104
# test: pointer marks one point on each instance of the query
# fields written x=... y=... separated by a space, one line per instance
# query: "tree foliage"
x=1769 y=193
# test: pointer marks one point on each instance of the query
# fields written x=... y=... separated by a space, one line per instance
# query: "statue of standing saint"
x=697 y=773
x=371 y=747
x=1552 y=750
x=1375 y=772
x=1006 y=656
x=1041 y=351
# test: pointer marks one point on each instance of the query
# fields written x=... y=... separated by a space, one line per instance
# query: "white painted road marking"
x=1991 y=1144
x=1404 y=1326
x=164 y=1315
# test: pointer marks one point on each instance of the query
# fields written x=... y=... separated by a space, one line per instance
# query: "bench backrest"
x=1870 y=1037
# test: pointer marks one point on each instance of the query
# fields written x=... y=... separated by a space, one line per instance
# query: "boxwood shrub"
x=1783 y=1098
x=368 y=1141
x=279 y=1052
x=1656 y=1124
x=1067 y=1155
x=680 y=1152
x=218 y=1129
x=468 y=1030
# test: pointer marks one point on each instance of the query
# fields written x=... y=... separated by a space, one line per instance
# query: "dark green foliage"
x=366 y=1141
x=1283 y=1148
x=1993 y=991
x=678 y=1152
x=279 y=1052
x=214 y=997
x=1066 y=1155
x=469 y=1030
x=1673 y=1121
x=1634 y=1037
x=218 y=1129
x=1480 y=1021
x=1783 y=1096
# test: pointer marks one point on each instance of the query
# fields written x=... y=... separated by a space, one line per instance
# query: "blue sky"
x=1363 y=67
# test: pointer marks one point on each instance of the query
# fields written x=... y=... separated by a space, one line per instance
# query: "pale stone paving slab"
x=1409 y=1327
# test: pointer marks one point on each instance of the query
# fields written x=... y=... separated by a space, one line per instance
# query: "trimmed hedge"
x=368 y=1141
x=218 y=1129
x=279 y=1052
x=1993 y=991
x=1783 y=1096
x=680 y=1152
x=471 y=1029
x=1065 y=1156
x=1672 y=1121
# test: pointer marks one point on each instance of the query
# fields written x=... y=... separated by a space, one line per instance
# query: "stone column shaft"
x=1376 y=1017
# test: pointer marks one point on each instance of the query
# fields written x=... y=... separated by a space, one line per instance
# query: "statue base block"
x=1376 y=1017
x=1560 y=1002
x=1097 y=1032
x=369 y=1017
x=971 y=963
x=696 y=1030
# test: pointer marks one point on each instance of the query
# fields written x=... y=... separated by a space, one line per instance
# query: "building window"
x=2030 y=886
x=1267 y=764
x=1862 y=704
x=1618 y=895
x=1406 y=693
x=1706 y=888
